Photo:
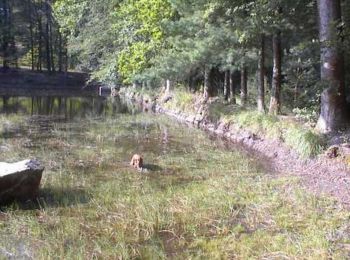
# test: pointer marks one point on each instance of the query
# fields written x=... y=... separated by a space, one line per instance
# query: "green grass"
x=303 y=139
x=201 y=201
x=182 y=100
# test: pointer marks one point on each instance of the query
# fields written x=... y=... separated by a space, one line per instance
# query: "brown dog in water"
x=137 y=161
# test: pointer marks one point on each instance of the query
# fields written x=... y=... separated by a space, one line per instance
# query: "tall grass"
x=198 y=200
x=305 y=141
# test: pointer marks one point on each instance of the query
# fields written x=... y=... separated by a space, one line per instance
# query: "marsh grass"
x=200 y=201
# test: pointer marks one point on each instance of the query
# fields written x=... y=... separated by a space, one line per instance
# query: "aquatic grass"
x=201 y=201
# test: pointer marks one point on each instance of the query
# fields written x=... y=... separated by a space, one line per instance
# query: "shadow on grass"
x=152 y=167
x=58 y=197
x=52 y=198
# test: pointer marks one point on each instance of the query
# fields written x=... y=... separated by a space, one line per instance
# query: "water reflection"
x=69 y=107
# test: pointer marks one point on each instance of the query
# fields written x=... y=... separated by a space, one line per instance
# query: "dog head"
x=136 y=161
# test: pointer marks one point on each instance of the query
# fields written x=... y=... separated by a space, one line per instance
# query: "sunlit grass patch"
x=182 y=100
x=305 y=141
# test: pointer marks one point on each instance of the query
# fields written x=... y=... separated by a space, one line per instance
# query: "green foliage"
x=182 y=100
x=91 y=36
x=305 y=141
x=142 y=35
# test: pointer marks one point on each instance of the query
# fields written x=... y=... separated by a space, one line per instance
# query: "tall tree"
x=333 y=105
x=244 y=83
x=275 y=102
x=261 y=84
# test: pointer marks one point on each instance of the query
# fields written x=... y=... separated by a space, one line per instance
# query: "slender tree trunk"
x=31 y=32
x=52 y=48
x=40 y=51
x=167 y=86
x=32 y=45
x=60 y=52
x=47 y=38
x=66 y=68
x=244 y=88
x=232 y=88
x=333 y=105
x=261 y=85
x=207 y=88
x=227 y=85
x=275 y=101
x=5 y=33
x=12 y=44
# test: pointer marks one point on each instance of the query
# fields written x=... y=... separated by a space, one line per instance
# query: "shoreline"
x=319 y=175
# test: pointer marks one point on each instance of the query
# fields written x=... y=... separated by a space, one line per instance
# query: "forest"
x=281 y=50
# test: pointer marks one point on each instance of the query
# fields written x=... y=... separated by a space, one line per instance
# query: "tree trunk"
x=5 y=33
x=47 y=38
x=32 y=45
x=333 y=105
x=167 y=86
x=227 y=85
x=207 y=86
x=40 y=51
x=60 y=52
x=244 y=89
x=31 y=32
x=52 y=48
x=275 y=101
x=261 y=84
x=232 y=88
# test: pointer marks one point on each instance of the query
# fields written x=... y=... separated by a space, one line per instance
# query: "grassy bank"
x=297 y=135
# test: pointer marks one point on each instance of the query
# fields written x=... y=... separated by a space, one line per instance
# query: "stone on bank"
x=20 y=180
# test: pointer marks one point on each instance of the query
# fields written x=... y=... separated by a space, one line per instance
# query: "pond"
x=200 y=198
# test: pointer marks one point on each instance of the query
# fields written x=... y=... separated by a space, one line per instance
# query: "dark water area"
x=67 y=107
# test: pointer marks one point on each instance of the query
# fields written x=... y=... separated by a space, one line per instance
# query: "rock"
x=4 y=148
x=20 y=180
x=333 y=151
x=166 y=99
x=345 y=145
x=190 y=119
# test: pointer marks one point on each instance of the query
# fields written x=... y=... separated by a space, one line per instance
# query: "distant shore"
x=24 y=82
